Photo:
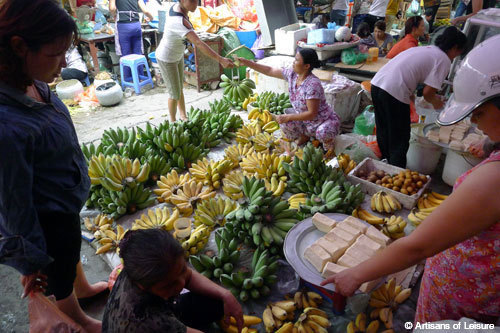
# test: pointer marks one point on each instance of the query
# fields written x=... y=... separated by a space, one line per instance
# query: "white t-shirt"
x=340 y=5
x=401 y=75
x=378 y=8
x=74 y=60
x=171 y=48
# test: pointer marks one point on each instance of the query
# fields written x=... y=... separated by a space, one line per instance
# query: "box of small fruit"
x=404 y=184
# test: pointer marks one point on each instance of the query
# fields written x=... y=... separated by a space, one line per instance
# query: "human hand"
x=240 y=61
x=36 y=282
x=345 y=282
x=226 y=63
x=232 y=308
x=282 y=118
x=476 y=148
x=437 y=103
x=148 y=17
x=456 y=20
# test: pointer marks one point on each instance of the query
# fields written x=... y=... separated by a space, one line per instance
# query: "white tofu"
x=369 y=286
x=335 y=249
x=357 y=253
x=341 y=234
x=356 y=223
x=377 y=236
x=457 y=145
x=331 y=268
x=323 y=223
x=350 y=229
x=348 y=261
x=317 y=256
x=370 y=245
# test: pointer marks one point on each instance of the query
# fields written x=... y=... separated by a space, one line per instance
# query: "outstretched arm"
x=264 y=69
x=197 y=42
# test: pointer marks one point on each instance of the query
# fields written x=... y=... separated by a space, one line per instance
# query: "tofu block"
x=377 y=236
x=317 y=256
x=340 y=234
x=323 y=223
x=348 y=261
x=457 y=145
x=356 y=223
x=369 y=286
x=370 y=245
x=358 y=253
x=331 y=268
x=335 y=249
x=347 y=227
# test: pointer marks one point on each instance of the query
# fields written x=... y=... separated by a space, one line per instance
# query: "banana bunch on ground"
x=384 y=203
x=189 y=196
x=128 y=201
x=345 y=163
x=275 y=103
x=359 y=325
x=223 y=262
x=98 y=164
x=247 y=322
x=158 y=166
x=247 y=133
x=233 y=184
x=237 y=152
x=254 y=284
x=307 y=299
x=212 y=212
x=262 y=116
x=210 y=173
x=394 y=227
x=109 y=240
x=266 y=166
x=197 y=240
x=264 y=142
x=386 y=299
x=297 y=199
x=365 y=215
x=98 y=223
x=169 y=185
x=183 y=158
x=277 y=315
x=249 y=100
x=237 y=90
x=276 y=186
x=113 y=141
x=160 y=218
x=271 y=127
x=150 y=132
x=430 y=200
x=90 y=150
x=311 y=319
x=122 y=172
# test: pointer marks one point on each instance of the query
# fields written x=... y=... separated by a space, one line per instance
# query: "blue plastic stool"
x=87 y=81
x=133 y=61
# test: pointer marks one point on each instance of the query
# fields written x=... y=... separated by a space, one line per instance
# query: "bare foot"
x=92 y=325
x=183 y=118
x=92 y=290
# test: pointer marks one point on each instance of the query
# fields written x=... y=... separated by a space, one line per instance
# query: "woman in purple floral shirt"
x=311 y=116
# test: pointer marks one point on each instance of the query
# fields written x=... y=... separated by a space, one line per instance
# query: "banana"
x=373 y=327
x=288 y=305
x=361 y=322
x=286 y=328
x=278 y=312
x=322 y=321
x=268 y=319
x=368 y=217
x=402 y=295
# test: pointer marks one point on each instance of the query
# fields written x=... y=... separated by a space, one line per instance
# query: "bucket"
x=423 y=155
x=456 y=164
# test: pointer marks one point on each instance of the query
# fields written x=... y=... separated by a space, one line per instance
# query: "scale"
x=83 y=16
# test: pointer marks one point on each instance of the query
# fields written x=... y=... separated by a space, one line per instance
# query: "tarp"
x=211 y=20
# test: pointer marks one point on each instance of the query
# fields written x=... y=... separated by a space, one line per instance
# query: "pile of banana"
x=210 y=173
x=158 y=166
x=122 y=172
x=276 y=186
x=247 y=133
x=223 y=262
x=237 y=90
x=237 y=152
x=122 y=142
x=383 y=202
x=248 y=101
x=98 y=223
x=386 y=299
x=254 y=284
x=264 y=142
x=297 y=199
x=124 y=202
x=262 y=116
x=108 y=239
x=160 y=218
x=365 y=215
x=169 y=185
x=233 y=184
x=189 y=196
x=197 y=240
x=275 y=103
x=394 y=227
x=359 y=325
x=247 y=322
x=212 y=212
x=440 y=22
x=425 y=206
x=265 y=166
x=147 y=134
x=345 y=163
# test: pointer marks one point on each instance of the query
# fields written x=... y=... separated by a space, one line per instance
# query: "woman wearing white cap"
x=461 y=238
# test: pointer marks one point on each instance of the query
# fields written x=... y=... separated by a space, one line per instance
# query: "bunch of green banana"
x=197 y=240
x=394 y=227
x=169 y=185
x=237 y=90
x=223 y=262
x=160 y=218
x=219 y=106
x=109 y=240
x=233 y=184
x=148 y=134
x=275 y=103
x=265 y=165
x=185 y=157
x=212 y=212
x=256 y=283
x=238 y=105
x=158 y=166
x=210 y=173
x=124 y=202
x=122 y=172
x=100 y=222
x=247 y=133
x=297 y=199
x=384 y=203
x=123 y=142
x=98 y=164
x=237 y=152
x=90 y=150
x=189 y=196
x=354 y=197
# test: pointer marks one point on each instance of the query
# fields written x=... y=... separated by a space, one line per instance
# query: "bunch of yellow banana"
x=263 y=116
x=359 y=325
x=237 y=152
x=345 y=163
x=160 y=218
x=247 y=322
x=97 y=168
x=109 y=239
x=182 y=228
x=249 y=100
x=190 y=195
x=384 y=203
x=212 y=212
x=211 y=172
x=295 y=200
x=232 y=184
x=122 y=171
x=307 y=299
x=264 y=142
x=169 y=185
x=394 y=227
x=197 y=240
x=312 y=320
x=271 y=127
x=276 y=314
x=365 y=215
x=386 y=299
x=277 y=186
x=416 y=215
x=430 y=201
x=265 y=165
x=100 y=222
x=247 y=133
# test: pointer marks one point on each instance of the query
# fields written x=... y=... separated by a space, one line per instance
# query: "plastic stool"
x=87 y=81
x=133 y=61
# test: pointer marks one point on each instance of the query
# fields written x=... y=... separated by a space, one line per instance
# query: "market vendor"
x=311 y=116
x=394 y=85
x=170 y=54
x=75 y=66
x=379 y=38
x=43 y=174
x=460 y=237
x=414 y=29
x=147 y=294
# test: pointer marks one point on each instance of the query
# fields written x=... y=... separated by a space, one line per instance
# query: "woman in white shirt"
x=393 y=87
x=170 y=54
x=75 y=66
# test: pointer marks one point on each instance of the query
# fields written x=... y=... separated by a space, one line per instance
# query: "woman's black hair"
x=451 y=37
x=363 y=30
x=412 y=22
x=380 y=25
x=310 y=57
x=149 y=255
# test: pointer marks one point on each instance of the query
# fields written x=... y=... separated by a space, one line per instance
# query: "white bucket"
x=456 y=164
x=423 y=155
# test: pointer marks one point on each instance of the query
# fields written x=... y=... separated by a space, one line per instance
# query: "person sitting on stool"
x=75 y=66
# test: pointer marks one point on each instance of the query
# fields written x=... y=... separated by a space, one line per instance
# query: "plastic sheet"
x=211 y=20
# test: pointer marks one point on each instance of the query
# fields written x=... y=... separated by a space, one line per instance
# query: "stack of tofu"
x=454 y=135
x=345 y=244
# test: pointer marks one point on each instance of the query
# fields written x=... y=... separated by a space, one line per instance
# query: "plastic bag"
x=414 y=9
x=259 y=54
x=45 y=316
x=349 y=144
x=351 y=57
x=365 y=122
